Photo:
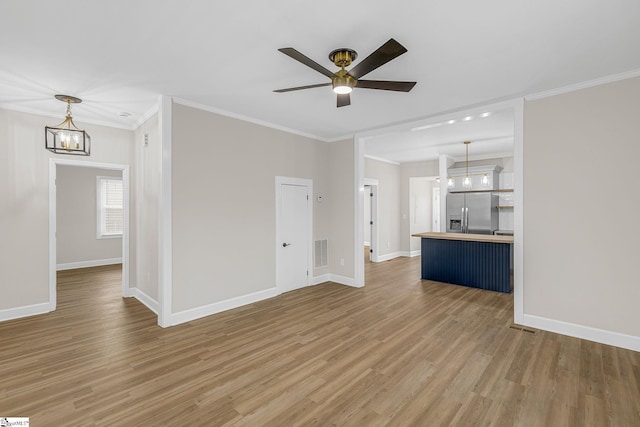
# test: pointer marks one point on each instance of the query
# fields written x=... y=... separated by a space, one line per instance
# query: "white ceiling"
x=490 y=133
x=119 y=56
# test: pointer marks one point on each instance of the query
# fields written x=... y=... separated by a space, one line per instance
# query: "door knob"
x=284 y=245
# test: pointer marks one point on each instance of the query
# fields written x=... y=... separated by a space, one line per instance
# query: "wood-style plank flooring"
x=399 y=352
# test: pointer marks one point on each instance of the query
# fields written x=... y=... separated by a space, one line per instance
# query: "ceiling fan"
x=344 y=81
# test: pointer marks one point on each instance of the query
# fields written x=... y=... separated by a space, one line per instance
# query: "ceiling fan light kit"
x=343 y=81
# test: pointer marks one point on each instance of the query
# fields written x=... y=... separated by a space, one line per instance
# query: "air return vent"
x=518 y=328
x=320 y=253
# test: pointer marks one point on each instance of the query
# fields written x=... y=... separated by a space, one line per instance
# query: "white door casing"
x=53 y=163
x=294 y=231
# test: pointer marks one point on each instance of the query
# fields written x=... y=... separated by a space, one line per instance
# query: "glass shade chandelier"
x=474 y=178
x=466 y=182
x=66 y=137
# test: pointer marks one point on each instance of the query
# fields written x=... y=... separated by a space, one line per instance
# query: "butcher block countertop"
x=463 y=236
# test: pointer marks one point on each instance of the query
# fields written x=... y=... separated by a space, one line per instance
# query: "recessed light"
x=429 y=126
x=124 y=114
x=450 y=122
x=483 y=115
x=466 y=119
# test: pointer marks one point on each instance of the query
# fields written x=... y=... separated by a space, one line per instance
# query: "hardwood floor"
x=399 y=352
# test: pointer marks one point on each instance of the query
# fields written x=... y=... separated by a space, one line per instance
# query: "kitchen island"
x=476 y=260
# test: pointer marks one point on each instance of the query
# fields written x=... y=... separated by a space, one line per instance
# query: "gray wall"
x=342 y=208
x=24 y=195
x=574 y=272
x=76 y=217
x=420 y=208
x=388 y=176
x=407 y=171
x=581 y=152
x=145 y=208
x=394 y=228
x=223 y=203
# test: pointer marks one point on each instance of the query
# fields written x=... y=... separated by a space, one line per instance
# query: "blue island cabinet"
x=478 y=261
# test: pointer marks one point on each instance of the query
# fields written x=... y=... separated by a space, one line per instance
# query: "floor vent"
x=518 y=328
x=321 y=253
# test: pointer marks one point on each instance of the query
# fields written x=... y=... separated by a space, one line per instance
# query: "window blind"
x=112 y=213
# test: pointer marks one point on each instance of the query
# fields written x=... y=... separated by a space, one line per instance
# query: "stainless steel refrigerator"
x=472 y=213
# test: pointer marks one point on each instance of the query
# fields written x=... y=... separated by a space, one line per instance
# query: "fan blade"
x=291 y=52
x=301 y=87
x=344 y=99
x=386 y=85
x=385 y=53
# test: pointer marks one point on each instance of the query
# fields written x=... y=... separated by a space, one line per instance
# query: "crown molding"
x=380 y=159
x=147 y=115
x=583 y=85
x=248 y=119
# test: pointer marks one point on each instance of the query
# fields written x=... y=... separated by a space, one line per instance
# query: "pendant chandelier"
x=66 y=137
x=475 y=178
x=466 y=182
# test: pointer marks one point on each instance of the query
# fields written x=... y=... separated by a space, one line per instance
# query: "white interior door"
x=293 y=246
x=367 y=215
x=371 y=187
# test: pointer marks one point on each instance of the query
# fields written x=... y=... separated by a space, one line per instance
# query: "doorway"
x=513 y=120
x=424 y=208
x=370 y=220
x=123 y=171
x=294 y=231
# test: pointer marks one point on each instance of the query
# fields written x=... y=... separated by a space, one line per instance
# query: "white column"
x=445 y=162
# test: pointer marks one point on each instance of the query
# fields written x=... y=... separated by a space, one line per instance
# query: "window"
x=110 y=207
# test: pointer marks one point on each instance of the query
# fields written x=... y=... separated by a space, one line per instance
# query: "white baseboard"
x=320 y=279
x=217 y=307
x=335 y=278
x=387 y=257
x=144 y=299
x=617 y=339
x=417 y=252
x=392 y=255
x=85 y=264
x=26 y=311
x=348 y=281
x=208 y=310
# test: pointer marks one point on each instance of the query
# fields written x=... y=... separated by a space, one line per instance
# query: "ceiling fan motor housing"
x=343 y=57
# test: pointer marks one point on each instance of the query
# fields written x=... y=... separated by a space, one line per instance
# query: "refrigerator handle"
x=466 y=220
x=462 y=220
